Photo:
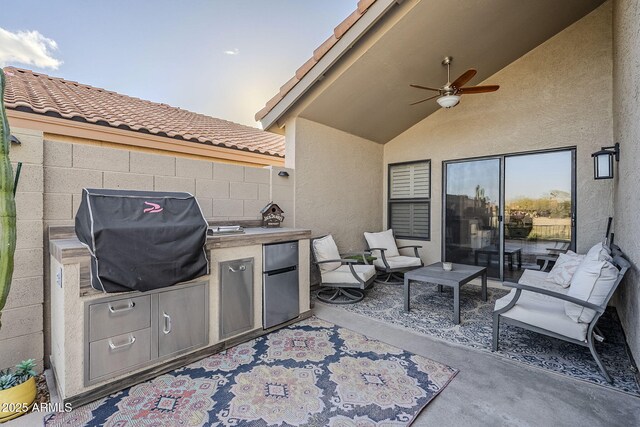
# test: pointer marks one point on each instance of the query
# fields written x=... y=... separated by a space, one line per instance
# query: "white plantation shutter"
x=409 y=199
x=410 y=181
x=410 y=219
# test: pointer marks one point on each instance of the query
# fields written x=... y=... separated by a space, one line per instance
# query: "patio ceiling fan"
x=449 y=94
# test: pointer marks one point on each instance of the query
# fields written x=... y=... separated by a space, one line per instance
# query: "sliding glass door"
x=509 y=212
x=472 y=208
x=538 y=209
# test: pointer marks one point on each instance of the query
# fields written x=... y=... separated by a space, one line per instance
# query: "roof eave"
x=339 y=49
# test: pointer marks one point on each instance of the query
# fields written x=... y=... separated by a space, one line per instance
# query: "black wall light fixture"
x=603 y=161
x=283 y=174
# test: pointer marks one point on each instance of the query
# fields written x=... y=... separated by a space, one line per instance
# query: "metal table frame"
x=460 y=275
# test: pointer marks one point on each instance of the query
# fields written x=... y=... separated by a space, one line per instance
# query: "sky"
x=223 y=58
x=532 y=176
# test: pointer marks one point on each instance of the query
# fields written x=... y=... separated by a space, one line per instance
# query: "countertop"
x=66 y=248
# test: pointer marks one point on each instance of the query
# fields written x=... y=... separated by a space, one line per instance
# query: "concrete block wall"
x=21 y=335
x=224 y=191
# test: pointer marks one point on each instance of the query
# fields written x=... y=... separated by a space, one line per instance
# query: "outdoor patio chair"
x=569 y=314
x=342 y=280
x=389 y=263
x=546 y=261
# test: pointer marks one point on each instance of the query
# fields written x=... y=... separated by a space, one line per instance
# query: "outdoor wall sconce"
x=283 y=174
x=603 y=161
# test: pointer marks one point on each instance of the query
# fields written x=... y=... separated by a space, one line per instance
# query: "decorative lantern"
x=603 y=161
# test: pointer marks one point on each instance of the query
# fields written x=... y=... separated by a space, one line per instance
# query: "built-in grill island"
x=104 y=342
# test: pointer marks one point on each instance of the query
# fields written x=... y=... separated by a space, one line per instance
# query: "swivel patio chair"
x=389 y=263
x=568 y=314
x=343 y=280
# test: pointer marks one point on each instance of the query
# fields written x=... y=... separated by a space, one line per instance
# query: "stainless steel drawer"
x=119 y=353
x=113 y=318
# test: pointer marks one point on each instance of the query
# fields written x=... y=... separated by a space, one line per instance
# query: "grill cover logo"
x=155 y=208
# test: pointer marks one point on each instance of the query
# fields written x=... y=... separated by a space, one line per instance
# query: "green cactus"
x=7 y=205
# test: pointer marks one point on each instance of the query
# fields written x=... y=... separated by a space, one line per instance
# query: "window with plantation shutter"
x=409 y=199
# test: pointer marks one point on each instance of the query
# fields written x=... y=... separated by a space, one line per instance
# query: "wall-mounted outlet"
x=59 y=277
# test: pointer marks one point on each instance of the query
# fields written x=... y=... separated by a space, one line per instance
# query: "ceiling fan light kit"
x=449 y=94
x=448 y=101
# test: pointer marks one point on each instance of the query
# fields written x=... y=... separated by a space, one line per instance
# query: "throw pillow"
x=599 y=252
x=564 y=268
x=592 y=282
x=325 y=249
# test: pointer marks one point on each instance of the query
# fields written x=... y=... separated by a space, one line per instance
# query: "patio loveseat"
x=570 y=314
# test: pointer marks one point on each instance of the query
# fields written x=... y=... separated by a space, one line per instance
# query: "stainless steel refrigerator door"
x=279 y=256
x=281 y=295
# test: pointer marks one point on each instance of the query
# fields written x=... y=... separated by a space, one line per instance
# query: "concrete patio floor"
x=492 y=391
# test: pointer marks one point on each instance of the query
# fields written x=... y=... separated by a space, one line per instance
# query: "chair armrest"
x=341 y=261
x=365 y=252
x=554 y=295
x=553 y=251
x=384 y=257
x=415 y=249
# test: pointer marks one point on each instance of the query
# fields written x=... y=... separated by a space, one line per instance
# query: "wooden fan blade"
x=460 y=81
x=418 y=102
x=425 y=88
x=478 y=89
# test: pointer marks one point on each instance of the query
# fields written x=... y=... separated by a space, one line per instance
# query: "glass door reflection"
x=472 y=209
x=539 y=208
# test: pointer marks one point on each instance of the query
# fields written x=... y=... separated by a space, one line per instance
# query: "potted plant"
x=17 y=390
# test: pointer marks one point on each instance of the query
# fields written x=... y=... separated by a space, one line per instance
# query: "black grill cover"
x=142 y=240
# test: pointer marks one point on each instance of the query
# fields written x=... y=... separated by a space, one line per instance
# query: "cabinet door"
x=236 y=297
x=182 y=318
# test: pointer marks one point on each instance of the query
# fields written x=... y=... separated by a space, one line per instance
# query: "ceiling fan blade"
x=460 y=81
x=478 y=89
x=425 y=88
x=418 y=102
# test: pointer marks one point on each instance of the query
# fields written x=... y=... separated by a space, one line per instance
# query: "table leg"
x=510 y=259
x=439 y=288
x=407 y=292
x=484 y=286
x=456 y=305
x=476 y=257
x=519 y=260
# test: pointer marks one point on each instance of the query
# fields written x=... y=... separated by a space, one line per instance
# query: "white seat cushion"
x=592 y=282
x=543 y=312
x=564 y=268
x=538 y=279
x=383 y=240
x=343 y=274
x=325 y=249
x=400 y=261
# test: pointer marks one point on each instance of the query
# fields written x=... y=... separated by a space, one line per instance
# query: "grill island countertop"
x=64 y=245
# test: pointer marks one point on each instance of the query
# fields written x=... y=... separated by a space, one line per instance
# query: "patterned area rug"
x=431 y=314
x=312 y=373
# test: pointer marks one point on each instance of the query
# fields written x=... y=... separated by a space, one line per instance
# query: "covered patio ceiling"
x=366 y=91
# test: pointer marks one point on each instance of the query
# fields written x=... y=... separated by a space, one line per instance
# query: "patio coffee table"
x=434 y=273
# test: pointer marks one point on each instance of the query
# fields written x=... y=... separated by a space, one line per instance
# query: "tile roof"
x=52 y=96
x=338 y=32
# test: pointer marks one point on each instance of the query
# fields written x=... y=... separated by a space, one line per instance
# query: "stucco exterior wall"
x=626 y=127
x=337 y=183
x=557 y=95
